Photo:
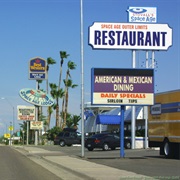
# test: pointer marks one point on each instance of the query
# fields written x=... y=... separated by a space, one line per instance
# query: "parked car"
x=67 y=138
x=105 y=141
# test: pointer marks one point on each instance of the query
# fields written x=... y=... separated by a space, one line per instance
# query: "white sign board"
x=26 y=113
x=103 y=35
x=36 y=124
x=142 y=14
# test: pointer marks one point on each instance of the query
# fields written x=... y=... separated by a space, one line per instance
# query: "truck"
x=164 y=123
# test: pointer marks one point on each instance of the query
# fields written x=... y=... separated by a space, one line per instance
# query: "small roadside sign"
x=10 y=128
x=7 y=135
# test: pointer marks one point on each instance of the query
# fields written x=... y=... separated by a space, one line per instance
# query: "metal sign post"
x=122 y=132
x=133 y=114
x=82 y=83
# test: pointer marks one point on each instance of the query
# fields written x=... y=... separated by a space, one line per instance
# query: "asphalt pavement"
x=77 y=166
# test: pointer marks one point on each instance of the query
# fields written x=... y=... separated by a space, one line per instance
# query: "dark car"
x=105 y=141
x=67 y=138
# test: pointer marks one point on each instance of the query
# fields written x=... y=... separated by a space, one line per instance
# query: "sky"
x=42 y=28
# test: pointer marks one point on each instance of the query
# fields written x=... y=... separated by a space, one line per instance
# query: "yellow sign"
x=7 y=135
x=10 y=128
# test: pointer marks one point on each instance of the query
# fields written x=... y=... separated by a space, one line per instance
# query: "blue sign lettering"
x=133 y=38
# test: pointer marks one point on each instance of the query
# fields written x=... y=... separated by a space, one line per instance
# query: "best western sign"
x=130 y=36
x=37 y=69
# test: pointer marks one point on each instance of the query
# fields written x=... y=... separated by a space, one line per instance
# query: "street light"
x=3 y=98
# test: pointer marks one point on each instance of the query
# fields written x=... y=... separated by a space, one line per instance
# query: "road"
x=15 y=166
x=147 y=162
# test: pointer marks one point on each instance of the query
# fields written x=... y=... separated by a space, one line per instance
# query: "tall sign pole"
x=82 y=83
x=146 y=112
x=122 y=132
x=36 y=119
x=133 y=112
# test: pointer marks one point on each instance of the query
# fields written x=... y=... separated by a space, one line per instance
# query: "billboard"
x=103 y=35
x=142 y=14
x=122 y=86
x=26 y=113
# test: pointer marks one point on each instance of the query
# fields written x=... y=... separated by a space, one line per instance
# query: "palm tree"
x=75 y=120
x=71 y=65
x=56 y=94
x=49 y=111
x=68 y=84
x=69 y=121
x=50 y=61
x=63 y=55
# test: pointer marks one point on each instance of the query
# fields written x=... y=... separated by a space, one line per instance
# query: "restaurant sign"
x=136 y=36
x=122 y=86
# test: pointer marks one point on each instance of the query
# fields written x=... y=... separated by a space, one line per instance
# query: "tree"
x=76 y=120
x=69 y=122
x=52 y=133
x=49 y=111
x=50 y=61
x=70 y=66
x=72 y=121
x=56 y=94
x=68 y=84
x=63 y=55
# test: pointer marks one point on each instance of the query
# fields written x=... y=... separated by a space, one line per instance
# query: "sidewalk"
x=81 y=167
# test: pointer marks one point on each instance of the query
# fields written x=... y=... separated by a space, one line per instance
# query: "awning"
x=108 y=119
